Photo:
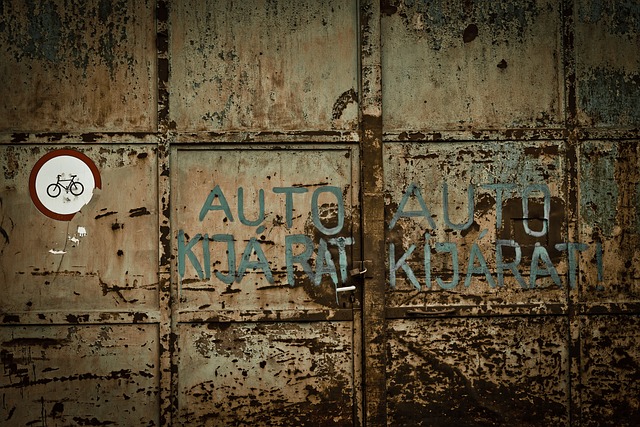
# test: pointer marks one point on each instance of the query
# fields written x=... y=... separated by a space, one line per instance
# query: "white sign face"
x=62 y=182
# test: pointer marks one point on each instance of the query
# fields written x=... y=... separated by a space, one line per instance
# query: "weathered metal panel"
x=263 y=65
x=477 y=225
x=610 y=222
x=476 y=64
x=607 y=36
x=77 y=66
x=79 y=375
x=265 y=234
x=266 y=229
x=272 y=374
x=105 y=258
x=610 y=371
x=478 y=371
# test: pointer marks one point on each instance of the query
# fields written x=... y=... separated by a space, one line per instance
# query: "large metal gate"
x=320 y=213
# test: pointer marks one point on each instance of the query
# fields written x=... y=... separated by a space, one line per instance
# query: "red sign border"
x=36 y=168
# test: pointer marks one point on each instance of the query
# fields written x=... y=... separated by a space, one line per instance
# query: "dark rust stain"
x=19 y=137
x=50 y=136
x=387 y=8
x=470 y=33
x=77 y=319
x=11 y=318
x=348 y=97
x=139 y=317
x=165 y=240
x=90 y=137
x=138 y=212
x=105 y=214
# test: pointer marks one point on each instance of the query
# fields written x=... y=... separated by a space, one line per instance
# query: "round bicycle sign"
x=62 y=182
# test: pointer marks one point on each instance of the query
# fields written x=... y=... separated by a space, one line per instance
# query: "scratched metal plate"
x=49 y=265
x=265 y=229
x=478 y=371
x=481 y=64
x=609 y=371
x=78 y=66
x=608 y=63
x=610 y=221
x=264 y=65
x=499 y=208
x=79 y=375
x=272 y=374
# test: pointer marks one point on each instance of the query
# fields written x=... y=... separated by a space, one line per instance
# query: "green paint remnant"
x=620 y=17
x=610 y=97
x=598 y=188
x=443 y=21
x=41 y=37
x=76 y=34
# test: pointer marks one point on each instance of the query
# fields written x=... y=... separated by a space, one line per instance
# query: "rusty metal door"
x=511 y=222
x=476 y=301
x=475 y=219
x=363 y=212
x=267 y=310
x=80 y=310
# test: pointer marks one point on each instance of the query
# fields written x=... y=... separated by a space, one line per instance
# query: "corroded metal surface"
x=608 y=63
x=249 y=171
x=610 y=222
x=277 y=65
x=77 y=66
x=477 y=64
x=105 y=258
x=79 y=375
x=477 y=225
x=610 y=371
x=264 y=229
x=475 y=371
x=272 y=374
x=265 y=234
x=478 y=371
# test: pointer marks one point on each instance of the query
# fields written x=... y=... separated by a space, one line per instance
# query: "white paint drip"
x=74 y=239
x=82 y=231
x=53 y=251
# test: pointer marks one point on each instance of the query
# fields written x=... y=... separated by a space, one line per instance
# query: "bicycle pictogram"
x=74 y=187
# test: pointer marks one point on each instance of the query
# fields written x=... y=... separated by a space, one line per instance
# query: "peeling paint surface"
x=282 y=65
x=266 y=374
x=609 y=201
x=112 y=266
x=476 y=65
x=380 y=213
x=254 y=227
x=114 y=370
x=265 y=234
x=610 y=370
x=478 y=371
x=457 y=232
x=78 y=65
x=608 y=63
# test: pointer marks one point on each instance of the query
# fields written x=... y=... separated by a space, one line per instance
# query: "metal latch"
x=361 y=269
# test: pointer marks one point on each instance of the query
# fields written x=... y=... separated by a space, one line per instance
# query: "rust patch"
x=102 y=215
x=470 y=33
x=139 y=212
x=343 y=101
